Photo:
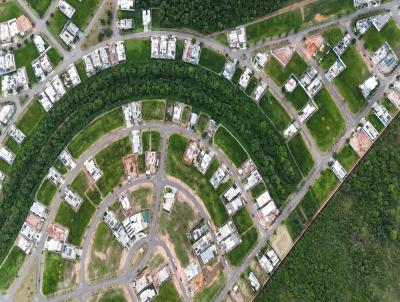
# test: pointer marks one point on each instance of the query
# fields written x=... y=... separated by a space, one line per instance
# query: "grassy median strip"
x=99 y=127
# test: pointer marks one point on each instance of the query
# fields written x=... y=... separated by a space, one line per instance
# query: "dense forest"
x=208 y=16
x=351 y=253
x=193 y=85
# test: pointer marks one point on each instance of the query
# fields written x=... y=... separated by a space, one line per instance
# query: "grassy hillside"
x=351 y=252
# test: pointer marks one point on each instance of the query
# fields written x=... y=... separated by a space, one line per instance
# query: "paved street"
x=85 y=288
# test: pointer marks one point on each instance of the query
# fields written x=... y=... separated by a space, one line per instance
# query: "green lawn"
x=239 y=253
x=176 y=225
x=298 y=97
x=4 y=167
x=31 y=117
x=80 y=67
x=209 y=293
x=151 y=141
x=155 y=19
x=274 y=110
x=167 y=292
x=375 y=122
x=301 y=154
x=75 y=221
x=309 y=204
x=60 y=166
x=194 y=179
x=40 y=6
x=275 y=26
x=153 y=110
x=222 y=38
x=374 y=39
x=237 y=75
x=281 y=74
x=11 y=144
x=79 y=184
x=389 y=106
x=46 y=192
x=212 y=59
x=258 y=189
x=99 y=127
x=94 y=195
x=230 y=146
x=10 y=268
x=141 y=197
x=202 y=122
x=327 y=59
x=24 y=56
x=347 y=157
x=109 y=161
x=57 y=273
x=327 y=8
x=242 y=220
x=348 y=81
x=9 y=10
x=104 y=244
x=252 y=85
x=324 y=185
x=54 y=56
x=138 y=50
x=187 y=110
x=333 y=35
x=326 y=124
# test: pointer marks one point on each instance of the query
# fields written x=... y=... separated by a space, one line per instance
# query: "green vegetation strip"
x=201 y=89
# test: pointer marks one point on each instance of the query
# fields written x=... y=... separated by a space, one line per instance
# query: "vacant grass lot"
x=328 y=59
x=274 y=110
x=252 y=85
x=40 y=6
x=10 y=268
x=202 y=122
x=58 y=274
x=258 y=189
x=60 y=166
x=324 y=185
x=230 y=146
x=375 y=122
x=275 y=26
x=153 y=110
x=348 y=81
x=212 y=60
x=31 y=117
x=333 y=35
x=326 y=124
x=105 y=253
x=9 y=10
x=209 y=293
x=301 y=154
x=46 y=192
x=11 y=144
x=176 y=225
x=298 y=97
x=24 y=57
x=110 y=163
x=242 y=220
x=54 y=56
x=347 y=157
x=249 y=240
x=374 y=39
x=79 y=184
x=138 y=50
x=296 y=222
x=141 y=197
x=320 y=10
x=281 y=74
x=151 y=141
x=99 y=127
x=113 y=295
x=194 y=179
x=167 y=292
x=75 y=221
x=222 y=38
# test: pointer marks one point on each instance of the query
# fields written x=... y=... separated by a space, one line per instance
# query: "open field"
x=374 y=39
x=249 y=240
x=24 y=57
x=46 y=192
x=348 y=81
x=349 y=253
x=212 y=59
x=75 y=221
x=301 y=154
x=105 y=253
x=99 y=127
x=109 y=161
x=242 y=220
x=167 y=292
x=141 y=197
x=176 y=225
x=9 y=10
x=275 y=26
x=274 y=110
x=9 y=269
x=58 y=274
x=137 y=50
x=281 y=74
x=230 y=146
x=333 y=35
x=324 y=185
x=321 y=10
x=32 y=115
x=153 y=110
x=79 y=184
x=326 y=124
x=347 y=157
x=298 y=97
x=194 y=179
